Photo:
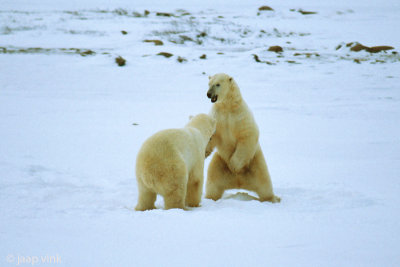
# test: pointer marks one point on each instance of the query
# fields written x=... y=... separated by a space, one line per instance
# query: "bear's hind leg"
x=175 y=199
x=175 y=194
x=267 y=195
x=175 y=186
x=260 y=180
x=146 y=198
x=194 y=188
x=219 y=178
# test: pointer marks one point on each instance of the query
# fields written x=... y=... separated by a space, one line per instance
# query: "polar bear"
x=238 y=161
x=171 y=163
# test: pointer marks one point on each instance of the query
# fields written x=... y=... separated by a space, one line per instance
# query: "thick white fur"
x=171 y=163
x=238 y=161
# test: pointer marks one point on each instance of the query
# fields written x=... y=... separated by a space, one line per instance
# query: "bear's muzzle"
x=211 y=94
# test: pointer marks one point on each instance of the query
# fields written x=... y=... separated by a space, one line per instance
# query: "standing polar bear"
x=238 y=161
x=171 y=163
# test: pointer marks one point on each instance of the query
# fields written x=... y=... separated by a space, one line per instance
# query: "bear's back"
x=166 y=147
x=162 y=143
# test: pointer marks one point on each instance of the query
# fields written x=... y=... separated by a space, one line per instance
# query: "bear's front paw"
x=231 y=167
x=235 y=165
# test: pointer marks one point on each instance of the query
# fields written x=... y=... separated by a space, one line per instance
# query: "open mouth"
x=214 y=98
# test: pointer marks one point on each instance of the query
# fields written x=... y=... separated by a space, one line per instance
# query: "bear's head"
x=219 y=86
x=204 y=123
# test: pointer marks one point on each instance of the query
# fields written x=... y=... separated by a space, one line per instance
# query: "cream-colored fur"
x=238 y=161
x=171 y=163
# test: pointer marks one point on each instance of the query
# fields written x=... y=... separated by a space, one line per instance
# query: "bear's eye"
x=217 y=84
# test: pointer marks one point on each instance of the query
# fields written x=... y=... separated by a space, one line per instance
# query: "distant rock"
x=120 y=61
x=276 y=49
x=357 y=47
x=124 y=32
x=377 y=49
x=202 y=34
x=165 y=54
x=140 y=15
x=265 y=8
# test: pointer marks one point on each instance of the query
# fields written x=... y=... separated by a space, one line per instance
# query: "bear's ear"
x=209 y=77
x=190 y=117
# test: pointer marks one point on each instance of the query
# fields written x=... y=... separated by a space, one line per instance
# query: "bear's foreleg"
x=244 y=153
x=211 y=145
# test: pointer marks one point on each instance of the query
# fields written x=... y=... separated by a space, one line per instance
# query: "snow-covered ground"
x=72 y=122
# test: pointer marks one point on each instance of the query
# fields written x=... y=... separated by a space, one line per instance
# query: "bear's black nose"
x=208 y=94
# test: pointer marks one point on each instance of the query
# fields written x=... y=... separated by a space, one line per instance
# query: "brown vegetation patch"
x=185 y=38
x=87 y=53
x=181 y=59
x=164 y=14
x=155 y=42
x=40 y=50
x=303 y=12
x=308 y=55
x=258 y=60
x=202 y=34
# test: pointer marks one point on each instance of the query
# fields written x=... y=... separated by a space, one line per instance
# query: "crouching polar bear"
x=238 y=161
x=171 y=163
